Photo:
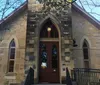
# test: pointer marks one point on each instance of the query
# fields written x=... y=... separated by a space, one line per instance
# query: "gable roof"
x=13 y=14
x=87 y=16
x=74 y=7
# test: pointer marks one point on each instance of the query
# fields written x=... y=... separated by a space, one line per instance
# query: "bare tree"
x=90 y=6
x=7 y=6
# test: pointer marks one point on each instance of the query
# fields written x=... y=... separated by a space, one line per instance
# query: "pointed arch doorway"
x=49 y=53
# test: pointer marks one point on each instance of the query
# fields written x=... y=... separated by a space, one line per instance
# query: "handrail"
x=30 y=77
x=85 y=76
x=68 y=79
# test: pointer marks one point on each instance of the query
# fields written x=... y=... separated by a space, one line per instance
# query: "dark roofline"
x=13 y=14
x=87 y=16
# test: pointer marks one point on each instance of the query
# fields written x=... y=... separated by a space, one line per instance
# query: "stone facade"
x=26 y=37
x=85 y=30
x=62 y=20
x=15 y=29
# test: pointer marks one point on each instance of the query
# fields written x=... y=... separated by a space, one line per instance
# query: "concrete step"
x=49 y=84
x=74 y=83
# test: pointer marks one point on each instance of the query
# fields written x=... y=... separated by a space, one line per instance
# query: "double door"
x=49 y=62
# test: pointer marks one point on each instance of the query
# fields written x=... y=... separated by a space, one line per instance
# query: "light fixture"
x=70 y=1
x=48 y=29
x=74 y=43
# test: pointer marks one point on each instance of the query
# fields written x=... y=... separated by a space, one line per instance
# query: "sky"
x=8 y=6
x=90 y=6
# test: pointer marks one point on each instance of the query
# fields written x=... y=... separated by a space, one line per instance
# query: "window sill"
x=10 y=75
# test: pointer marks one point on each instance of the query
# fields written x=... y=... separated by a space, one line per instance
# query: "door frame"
x=51 y=40
x=56 y=23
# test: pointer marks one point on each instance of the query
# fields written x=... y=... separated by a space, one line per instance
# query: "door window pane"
x=54 y=56
x=43 y=56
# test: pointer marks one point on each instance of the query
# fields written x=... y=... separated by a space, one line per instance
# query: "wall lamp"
x=74 y=43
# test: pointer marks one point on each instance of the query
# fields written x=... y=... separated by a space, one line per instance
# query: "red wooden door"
x=49 y=62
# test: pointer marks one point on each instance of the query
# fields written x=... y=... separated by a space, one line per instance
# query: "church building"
x=48 y=37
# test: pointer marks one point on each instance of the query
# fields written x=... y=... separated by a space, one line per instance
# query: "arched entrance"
x=49 y=53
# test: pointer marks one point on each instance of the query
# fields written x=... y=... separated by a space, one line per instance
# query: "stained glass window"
x=86 y=54
x=43 y=56
x=12 y=53
x=11 y=56
x=11 y=66
x=85 y=50
x=54 y=56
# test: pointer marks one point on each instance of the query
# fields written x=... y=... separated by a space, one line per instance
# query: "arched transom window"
x=49 y=30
